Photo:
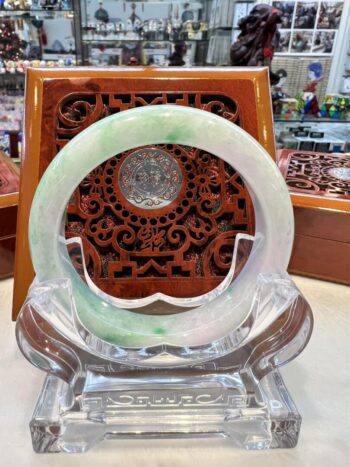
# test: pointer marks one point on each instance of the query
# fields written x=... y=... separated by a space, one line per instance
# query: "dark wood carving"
x=182 y=249
x=318 y=174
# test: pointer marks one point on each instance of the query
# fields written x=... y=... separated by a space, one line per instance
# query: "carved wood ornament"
x=155 y=219
x=319 y=174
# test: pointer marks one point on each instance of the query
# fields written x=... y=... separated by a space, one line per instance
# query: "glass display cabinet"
x=160 y=33
x=33 y=33
x=33 y=30
x=144 y=33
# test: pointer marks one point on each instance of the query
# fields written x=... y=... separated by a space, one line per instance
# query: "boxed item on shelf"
x=319 y=184
x=307 y=138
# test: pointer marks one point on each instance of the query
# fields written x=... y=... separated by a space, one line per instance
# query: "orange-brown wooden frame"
x=322 y=240
x=248 y=86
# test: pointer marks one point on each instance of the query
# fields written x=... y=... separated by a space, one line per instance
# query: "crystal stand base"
x=247 y=413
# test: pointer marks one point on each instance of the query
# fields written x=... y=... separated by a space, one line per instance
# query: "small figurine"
x=134 y=20
x=309 y=99
x=177 y=58
x=278 y=93
x=315 y=74
x=336 y=106
x=176 y=25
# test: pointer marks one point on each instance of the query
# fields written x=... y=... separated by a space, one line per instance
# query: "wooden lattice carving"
x=183 y=247
x=319 y=174
x=62 y=102
x=9 y=177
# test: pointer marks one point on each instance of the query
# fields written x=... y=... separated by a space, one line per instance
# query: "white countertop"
x=318 y=380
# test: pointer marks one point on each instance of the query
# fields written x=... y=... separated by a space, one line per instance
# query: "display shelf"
x=132 y=24
x=39 y=10
x=8 y=74
x=162 y=41
x=194 y=3
x=22 y=74
x=309 y=119
x=40 y=35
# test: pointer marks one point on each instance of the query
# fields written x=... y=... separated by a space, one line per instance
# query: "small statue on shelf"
x=176 y=24
x=278 y=93
x=177 y=57
x=309 y=102
x=134 y=22
x=256 y=43
x=315 y=74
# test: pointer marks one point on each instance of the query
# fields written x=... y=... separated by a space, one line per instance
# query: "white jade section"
x=168 y=124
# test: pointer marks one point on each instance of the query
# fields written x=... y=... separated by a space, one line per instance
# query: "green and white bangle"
x=166 y=124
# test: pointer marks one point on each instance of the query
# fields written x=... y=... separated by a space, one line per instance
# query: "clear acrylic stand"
x=230 y=388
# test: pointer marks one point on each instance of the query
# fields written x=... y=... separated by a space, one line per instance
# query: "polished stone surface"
x=319 y=382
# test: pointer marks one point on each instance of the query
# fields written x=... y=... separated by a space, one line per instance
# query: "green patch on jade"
x=178 y=135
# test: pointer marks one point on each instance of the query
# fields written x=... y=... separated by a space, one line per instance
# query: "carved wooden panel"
x=9 y=185
x=182 y=245
x=79 y=110
x=9 y=177
x=8 y=217
x=319 y=184
x=319 y=174
x=60 y=103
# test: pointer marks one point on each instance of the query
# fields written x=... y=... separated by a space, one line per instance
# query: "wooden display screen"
x=181 y=247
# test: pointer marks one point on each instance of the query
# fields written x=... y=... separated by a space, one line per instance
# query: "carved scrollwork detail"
x=9 y=179
x=177 y=219
x=321 y=174
x=78 y=111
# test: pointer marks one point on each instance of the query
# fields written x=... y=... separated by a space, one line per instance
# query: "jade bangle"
x=165 y=124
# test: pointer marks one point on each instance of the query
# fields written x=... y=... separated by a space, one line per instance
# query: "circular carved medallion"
x=150 y=178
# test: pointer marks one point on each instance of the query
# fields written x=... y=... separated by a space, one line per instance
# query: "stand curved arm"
x=46 y=347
